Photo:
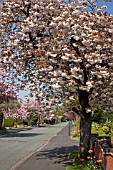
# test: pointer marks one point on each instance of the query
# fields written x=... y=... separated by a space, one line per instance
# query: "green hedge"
x=9 y=122
x=33 y=120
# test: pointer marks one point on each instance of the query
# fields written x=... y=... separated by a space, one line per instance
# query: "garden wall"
x=103 y=150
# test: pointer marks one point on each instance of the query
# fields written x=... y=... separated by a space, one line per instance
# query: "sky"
x=108 y=4
x=24 y=93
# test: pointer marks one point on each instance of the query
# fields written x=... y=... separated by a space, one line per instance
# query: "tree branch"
x=74 y=109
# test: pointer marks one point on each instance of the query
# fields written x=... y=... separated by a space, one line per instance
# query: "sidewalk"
x=53 y=156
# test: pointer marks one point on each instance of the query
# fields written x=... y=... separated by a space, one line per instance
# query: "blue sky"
x=23 y=93
x=109 y=4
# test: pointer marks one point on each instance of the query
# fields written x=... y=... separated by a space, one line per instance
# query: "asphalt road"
x=18 y=145
x=54 y=155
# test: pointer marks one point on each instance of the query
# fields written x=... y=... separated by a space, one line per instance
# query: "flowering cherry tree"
x=6 y=91
x=6 y=94
x=58 y=44
x=32 y=107
x=24 y=109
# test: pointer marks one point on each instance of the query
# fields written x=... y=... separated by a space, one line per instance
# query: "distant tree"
x=11 y=104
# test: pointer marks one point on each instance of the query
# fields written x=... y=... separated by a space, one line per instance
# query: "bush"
x=25 y=122
x=9 y=122
x=90 y=163
x=33 y=120
x=63 y=119
x=19 y=123
x=96 y=128
x=98 y=116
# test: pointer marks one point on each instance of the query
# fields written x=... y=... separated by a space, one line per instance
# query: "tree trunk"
x=3 y=123
x=85 y=123
x=85 y=134
x=39 y=120
x=1 y=119
x=76 y=125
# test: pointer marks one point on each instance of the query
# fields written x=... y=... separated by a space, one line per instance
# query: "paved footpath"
x=54 y=155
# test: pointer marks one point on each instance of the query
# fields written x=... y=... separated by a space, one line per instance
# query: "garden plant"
x=90 y=163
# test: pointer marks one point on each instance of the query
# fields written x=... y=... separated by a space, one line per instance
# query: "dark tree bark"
x=1 y=120
x=85 y=124
x=85 y=134
x=83 y=95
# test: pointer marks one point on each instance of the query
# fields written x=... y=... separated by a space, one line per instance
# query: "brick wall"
x=105 y=154
x=109 y=161
x=112 y=141
x=103 y=149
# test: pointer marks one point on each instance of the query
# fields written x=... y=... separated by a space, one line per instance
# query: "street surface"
x=16 y=146
x=54 y=155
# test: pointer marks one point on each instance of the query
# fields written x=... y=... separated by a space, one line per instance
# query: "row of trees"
x=11 y=106
x=7 y=92
x=22 y=111
x=13 y=109
x=58 y=44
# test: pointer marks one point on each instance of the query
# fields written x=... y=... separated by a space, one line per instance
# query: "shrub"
x=9 y=122
x=25 y=122
x=19 y=123
x=33 y=120
x=90 y=163
x=98 y=116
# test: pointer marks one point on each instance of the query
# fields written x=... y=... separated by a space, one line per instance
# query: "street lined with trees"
x=54 y=45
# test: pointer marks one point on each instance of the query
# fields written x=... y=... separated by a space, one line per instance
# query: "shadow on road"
x=57 y=155
x=19 y=132
x=20 y=135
